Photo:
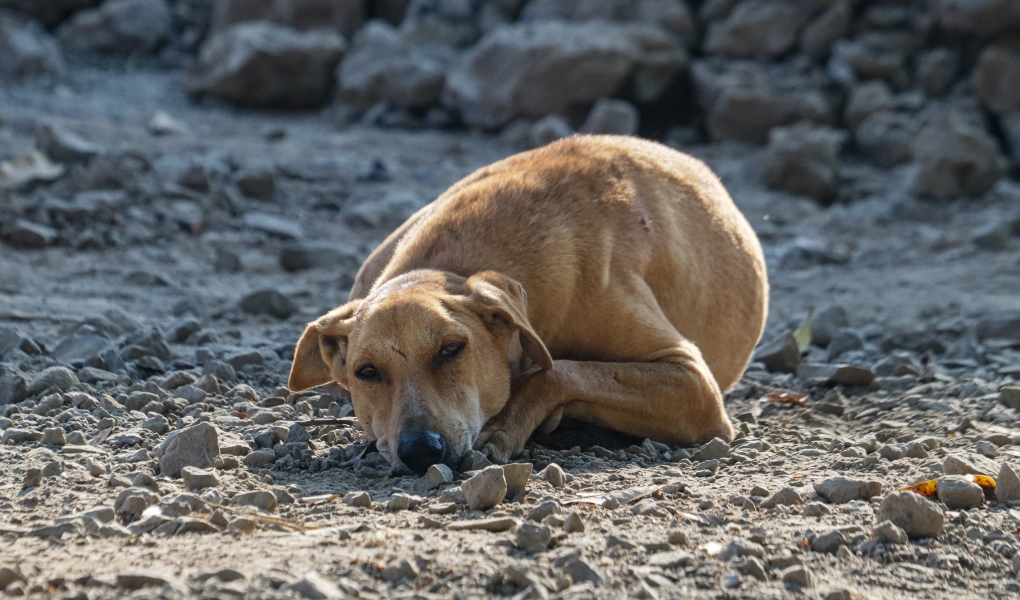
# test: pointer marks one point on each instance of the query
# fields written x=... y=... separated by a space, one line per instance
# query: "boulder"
x=49 y=12
x=119 y=27
x=262 y=64
x=344 y=16
x=382 y=66
x=955 y=158
x=536 y=69
x=804 y=159
x=26 y=49
x=757 y=29
x=744 y=101
x=997 y=79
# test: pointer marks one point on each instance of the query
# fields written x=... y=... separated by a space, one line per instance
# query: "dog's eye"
x=451 y=350
x=367 y=373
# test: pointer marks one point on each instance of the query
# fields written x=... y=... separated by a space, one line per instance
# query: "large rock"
x=672 y=15
x=59 y=378
x=744 y=101
x=956 y=158
x=195 y=446
x=997 y=79
x=262 y=64
x=757 y=29
x=382 y=66
x=958 y=492
x=26 y=49
x=535 y=69
x=49 y=12
x=912 y=513
x=1007 y=485
x=983 y=18
x=485 y=489
x=804 y=159
x=344 y=16
x=119 y=27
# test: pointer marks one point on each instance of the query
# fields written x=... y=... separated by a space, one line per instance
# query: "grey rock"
x=382 y=66
x=536 y=69
x=840 y=490
x=826 y=323
x=936 y=70
x=15 y=435
x=865 y=100
x=199 y=479
x=1008 y=396
x=580 y=571
x=54 y=436
x=781 y=355
x=992 y=236
x=194 y=446
x=120 y=27
x=9 y=575
x=969 y=463
x=716 y=448
x=26 y=234
x=259 y=459
x=983 y=19
x=845 y=340
x=80 y=347
x=786 y=496
x=437 y=475
x=531 y=537
x=256 y=182
x=13 y=389
x=60 y=379
x=344 y=16
x=958 y=492
x=757 y=29
x=956 y=159
x=269 y=302
x=516 y=476
x=804 y=159
x=131 y=502
x=267 y=65
x=887 y=138
x=359 y=499
x=547 y=130
x=274 y=225
x=917 y=516
x=485 y=489
x=295 y=256
x=887 y=532
x=157 y=424
x=828 y=542
x=612 y=116
x=554 y=475
x=798 y=575
x=1007 y=485
x=33 y=478
x=261 y=500
x=136 y=580
x=818 y=36
x=26 y=48
x=754 y=567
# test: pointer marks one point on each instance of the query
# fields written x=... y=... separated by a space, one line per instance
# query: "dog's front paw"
x=498 y=444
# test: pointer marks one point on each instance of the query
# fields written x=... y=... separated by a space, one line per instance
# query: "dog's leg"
x=673 y=399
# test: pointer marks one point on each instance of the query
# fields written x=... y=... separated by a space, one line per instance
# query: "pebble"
x=256 y=182
x=1007 y=485
x=781 y=355
x=261 y=500
x=495 y=524
x=136 y=580
x=554 y=475
x=826 y=323
x=314 y=587
x=33 y=478
x=9 y=575
x=195 y=446
x=531 y=537
x=785 y=497
x=573 y=523
x=437 y=475
x=958 y=492
x=1010 y=396
x=259 y=459
x=840 y=490
x=156 y=424
x=198 y=479
x=245 y=525
x=969 y=463
x=579 y=571
x=399 y=569
x=273 y=225
x=16 y=435
x=359 y=499
x=485 y=489
x=400 y=501
x=268 y=302
x=715 y=449
x=828 y=542
x=516 y=475
x=54 y=436
x=887 y=532
x=917 y=516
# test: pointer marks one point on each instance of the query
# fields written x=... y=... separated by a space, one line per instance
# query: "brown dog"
x=604 y=278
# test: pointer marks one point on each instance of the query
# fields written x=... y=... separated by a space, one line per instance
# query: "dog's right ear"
x=322 y=346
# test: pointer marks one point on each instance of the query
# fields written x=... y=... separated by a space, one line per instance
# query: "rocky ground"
x=162 y=252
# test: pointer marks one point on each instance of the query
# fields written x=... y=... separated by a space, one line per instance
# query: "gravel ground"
x=155 y=333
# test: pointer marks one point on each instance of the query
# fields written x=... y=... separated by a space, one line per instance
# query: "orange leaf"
x=925 y=488
x=787 y=398
x=983 y=480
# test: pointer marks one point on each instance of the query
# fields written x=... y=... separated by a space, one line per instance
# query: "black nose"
x=419 y=450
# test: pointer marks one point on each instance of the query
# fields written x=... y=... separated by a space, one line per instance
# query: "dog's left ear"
x=499 y=299
x=323 y=342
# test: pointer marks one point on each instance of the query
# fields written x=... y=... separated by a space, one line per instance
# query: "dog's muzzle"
x=419 y=450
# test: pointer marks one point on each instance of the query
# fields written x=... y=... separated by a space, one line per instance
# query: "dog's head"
x=428 y=358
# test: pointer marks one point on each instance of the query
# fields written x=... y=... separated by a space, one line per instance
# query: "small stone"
x=786 y=497
x=63 y=145
x=1007 y=485
x=53 y=468
x=516 y=475
x=543 y=510
x=474 y=461
x=156 y=424
x=245 y=525
x=9 y=575
x=612 y=116
x=580 y=571
x=199 y=479
x=554 y=475
x=496 y=524
x=968 y=464
x=1010 y=396
x=840 y=490
x=781 y=355
x=399 y=502
x=358 y=499
x=400 y=569
x=257 y=182
x=269 y=302
x=716 y=449
x=678 y=537
x=15 y=435
x=136 y=580
x=59 y=378
x=959 y=492
x=531 y=537
x=33 y=478
x=162 y=123
x=485 y=489
x=259 y=459
x=314 y=587
x=54 y=436
x=194 y=446
x=619 y=540
x=437 y=475
x=828 y=542
x=261 y=500
x=798 y=575
x=573 y=523
x=887 y=532
x=274 y=225
x=917 y=516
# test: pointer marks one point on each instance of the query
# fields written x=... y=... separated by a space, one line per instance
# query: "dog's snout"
x=419 y=450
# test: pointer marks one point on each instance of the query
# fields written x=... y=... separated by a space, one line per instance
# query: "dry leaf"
x=787 y=398
x=929 y=488
x=803 y=333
